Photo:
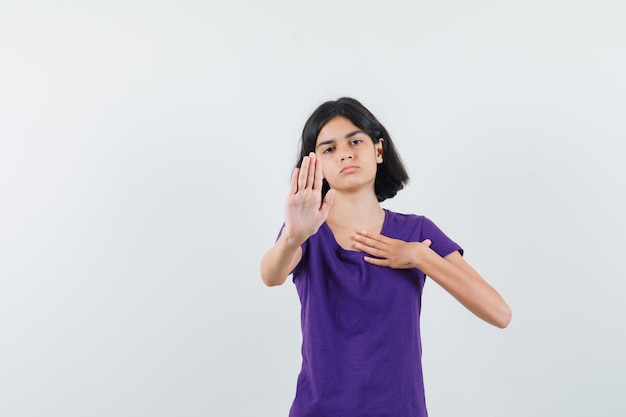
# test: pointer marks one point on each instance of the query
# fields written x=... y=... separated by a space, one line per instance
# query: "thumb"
x=328 y=201
x=427 y=242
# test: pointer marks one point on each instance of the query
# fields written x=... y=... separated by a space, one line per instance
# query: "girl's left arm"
x=452 y=272
x=465 y=284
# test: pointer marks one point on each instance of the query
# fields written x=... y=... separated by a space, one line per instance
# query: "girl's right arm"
x=280 y=260
x=304 y=214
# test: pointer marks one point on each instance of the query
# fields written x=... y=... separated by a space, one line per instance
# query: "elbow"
x=270 y=279
x=270 y=276
x=270 y=283
x=503 y=317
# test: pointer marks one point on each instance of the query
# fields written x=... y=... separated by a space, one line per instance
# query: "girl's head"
x=391 y=176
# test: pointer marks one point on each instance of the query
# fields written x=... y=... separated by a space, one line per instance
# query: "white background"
x=145 y=153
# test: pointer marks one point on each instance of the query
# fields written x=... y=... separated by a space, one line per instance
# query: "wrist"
x=422 y=256
x=292 y=241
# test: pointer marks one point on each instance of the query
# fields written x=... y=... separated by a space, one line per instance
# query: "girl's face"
x=349 y=156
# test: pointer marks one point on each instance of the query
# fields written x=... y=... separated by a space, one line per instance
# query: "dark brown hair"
x=391 y=176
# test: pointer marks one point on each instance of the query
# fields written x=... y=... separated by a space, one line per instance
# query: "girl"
x=360 y=269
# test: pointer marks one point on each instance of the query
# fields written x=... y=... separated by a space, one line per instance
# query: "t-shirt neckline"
x=333 y=240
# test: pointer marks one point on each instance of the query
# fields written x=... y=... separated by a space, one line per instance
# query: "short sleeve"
x=441 y=243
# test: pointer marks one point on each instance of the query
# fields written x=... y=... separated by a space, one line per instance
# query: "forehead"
x=337 y=128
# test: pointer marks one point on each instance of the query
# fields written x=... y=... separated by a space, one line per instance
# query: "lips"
x=348 y=169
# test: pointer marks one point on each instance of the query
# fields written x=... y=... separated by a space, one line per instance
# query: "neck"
x=355 y=211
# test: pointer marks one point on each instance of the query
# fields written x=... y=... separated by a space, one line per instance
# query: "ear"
x=379 y=150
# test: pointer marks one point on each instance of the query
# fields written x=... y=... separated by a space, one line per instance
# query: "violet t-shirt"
x=361 y=347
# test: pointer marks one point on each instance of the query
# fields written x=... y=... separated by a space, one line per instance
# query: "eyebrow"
x=331 y=141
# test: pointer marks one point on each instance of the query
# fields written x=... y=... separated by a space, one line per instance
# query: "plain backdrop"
x=145 y=154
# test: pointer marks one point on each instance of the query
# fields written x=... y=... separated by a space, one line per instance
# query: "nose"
x=344 y=153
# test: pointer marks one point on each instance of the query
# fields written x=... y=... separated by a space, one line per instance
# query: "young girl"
x=360 y=269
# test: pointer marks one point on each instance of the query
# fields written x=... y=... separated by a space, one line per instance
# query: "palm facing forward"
x=304 y=211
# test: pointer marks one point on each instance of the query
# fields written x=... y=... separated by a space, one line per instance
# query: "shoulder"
x=414 y=227
x=395 y=218
x=402 y=225
x=407 y=219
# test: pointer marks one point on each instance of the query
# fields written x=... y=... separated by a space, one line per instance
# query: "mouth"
x=348 y=169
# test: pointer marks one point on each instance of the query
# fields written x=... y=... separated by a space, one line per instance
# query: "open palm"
x=304 y=210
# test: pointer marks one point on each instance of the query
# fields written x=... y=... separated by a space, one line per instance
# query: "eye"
x=356 y=141
x=327 y=150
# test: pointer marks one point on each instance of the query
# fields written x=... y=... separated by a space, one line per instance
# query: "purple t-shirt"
x=361 y=347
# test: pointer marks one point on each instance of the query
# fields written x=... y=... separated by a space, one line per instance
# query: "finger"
x=372 y=240
x=427 y=242
x=379 y=253
x=293 y=185
x=376 y=261
x=319 y=176
x=376 y=237
x=328 y=201
x=312 y=170
x=304 y=172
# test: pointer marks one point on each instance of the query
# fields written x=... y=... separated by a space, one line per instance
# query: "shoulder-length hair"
x=391 y=175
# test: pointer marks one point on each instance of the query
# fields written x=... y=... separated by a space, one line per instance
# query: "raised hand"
x=389 y=252
x=304 y=210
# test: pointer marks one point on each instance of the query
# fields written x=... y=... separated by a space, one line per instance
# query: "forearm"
x=280 y=260
x=305 y=211
x=467 y=286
